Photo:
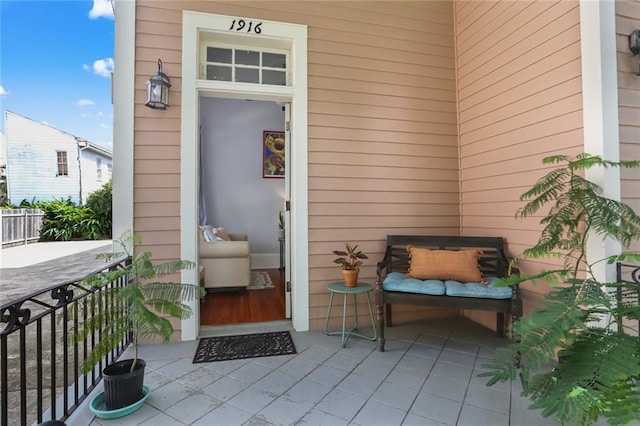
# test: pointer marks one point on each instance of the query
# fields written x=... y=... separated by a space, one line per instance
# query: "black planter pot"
x=121 y=386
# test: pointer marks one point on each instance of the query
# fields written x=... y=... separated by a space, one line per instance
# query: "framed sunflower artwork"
x=272 y=154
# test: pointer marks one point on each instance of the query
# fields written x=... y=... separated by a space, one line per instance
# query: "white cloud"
x=99 y=114
x=84 y=102
x=101 y=9
x=86 y=67
x=2 y=91
x=103 y=67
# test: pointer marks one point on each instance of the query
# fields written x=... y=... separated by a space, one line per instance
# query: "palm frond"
x=552 y=277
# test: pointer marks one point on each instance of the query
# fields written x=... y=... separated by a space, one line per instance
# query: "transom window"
x=63 y=166
x=228 y=63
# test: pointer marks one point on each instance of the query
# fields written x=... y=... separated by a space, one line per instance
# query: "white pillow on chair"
x=221 y=234
x=208 y=234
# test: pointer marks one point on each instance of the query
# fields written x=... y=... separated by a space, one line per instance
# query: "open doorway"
x=239 y=195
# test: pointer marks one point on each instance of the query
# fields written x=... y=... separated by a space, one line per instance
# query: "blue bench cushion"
x=397 y=281
x=480 y=291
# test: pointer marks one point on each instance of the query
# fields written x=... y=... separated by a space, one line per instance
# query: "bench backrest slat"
x=493 y=260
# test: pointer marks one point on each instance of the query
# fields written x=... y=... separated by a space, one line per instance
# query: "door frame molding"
x=273 y=34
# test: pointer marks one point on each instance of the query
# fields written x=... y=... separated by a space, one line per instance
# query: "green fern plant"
x=580 y=317
x=139 y=308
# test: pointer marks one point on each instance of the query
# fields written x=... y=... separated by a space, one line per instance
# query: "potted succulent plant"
x=350 y=261
x=138 y=309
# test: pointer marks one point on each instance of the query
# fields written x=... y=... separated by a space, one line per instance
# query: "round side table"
x=339 y=287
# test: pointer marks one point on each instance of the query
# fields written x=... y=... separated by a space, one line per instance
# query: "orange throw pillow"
x=458 y=265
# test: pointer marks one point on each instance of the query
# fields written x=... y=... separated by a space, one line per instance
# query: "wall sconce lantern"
x=158 y=90
x=634 y=47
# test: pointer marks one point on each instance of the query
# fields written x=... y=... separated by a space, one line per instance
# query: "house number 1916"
x=242 y=25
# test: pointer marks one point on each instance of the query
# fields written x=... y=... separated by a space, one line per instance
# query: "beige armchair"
x=226 y=263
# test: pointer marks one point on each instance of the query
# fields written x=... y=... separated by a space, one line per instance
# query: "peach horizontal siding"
x=627 y=20
x=519 y=100
x=383 y=154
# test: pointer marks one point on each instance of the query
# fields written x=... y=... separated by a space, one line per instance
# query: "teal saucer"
x=98 y=407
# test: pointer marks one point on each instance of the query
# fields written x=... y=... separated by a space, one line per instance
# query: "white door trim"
x=277 y=34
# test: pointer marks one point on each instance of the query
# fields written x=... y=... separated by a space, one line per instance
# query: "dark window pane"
x=277 y=78
x=215 y=72
x=274 y=60
x=247 y=57
x=63 y=169
x=247 y=75
x=216 y=54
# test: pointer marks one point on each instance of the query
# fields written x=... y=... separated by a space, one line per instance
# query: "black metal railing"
x=629 y=274
x=40 y=366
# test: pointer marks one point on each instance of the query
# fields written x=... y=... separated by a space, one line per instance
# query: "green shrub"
x=24 y=204
x=64 y=221
x=100 y=202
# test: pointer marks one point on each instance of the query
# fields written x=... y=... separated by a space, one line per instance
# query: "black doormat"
x=223 y=348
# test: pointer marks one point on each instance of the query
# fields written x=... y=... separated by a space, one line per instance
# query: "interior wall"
x=237 y=197
x=519 y=80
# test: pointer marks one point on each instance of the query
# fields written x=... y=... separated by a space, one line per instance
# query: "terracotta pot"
x=350 y=277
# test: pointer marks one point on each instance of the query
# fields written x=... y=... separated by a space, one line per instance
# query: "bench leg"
x=500 y=323
x=380 y=321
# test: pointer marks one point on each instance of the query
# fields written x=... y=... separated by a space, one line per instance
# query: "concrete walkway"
x=29 y=268
x=31 y=254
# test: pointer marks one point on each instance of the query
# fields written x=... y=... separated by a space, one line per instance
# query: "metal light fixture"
x=634 y=47
x=158 y=90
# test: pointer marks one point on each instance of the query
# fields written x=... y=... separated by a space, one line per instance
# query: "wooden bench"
x=492 y=263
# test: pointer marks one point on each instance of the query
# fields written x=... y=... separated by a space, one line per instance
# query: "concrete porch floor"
x=427 y=376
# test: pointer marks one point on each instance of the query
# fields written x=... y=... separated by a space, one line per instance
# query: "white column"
x=123 y=115
x=600 y=111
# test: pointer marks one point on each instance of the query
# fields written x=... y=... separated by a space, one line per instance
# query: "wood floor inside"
x=245 y=306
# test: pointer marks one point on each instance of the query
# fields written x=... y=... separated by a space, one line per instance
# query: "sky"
x=56 y=59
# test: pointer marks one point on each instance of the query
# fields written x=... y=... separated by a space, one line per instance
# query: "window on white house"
x=228 y=63
x=63 y=165
x=99 y=168
x=109 y=171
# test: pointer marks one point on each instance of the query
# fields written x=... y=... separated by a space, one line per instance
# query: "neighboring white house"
x=44 y=162
x=3 y=168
